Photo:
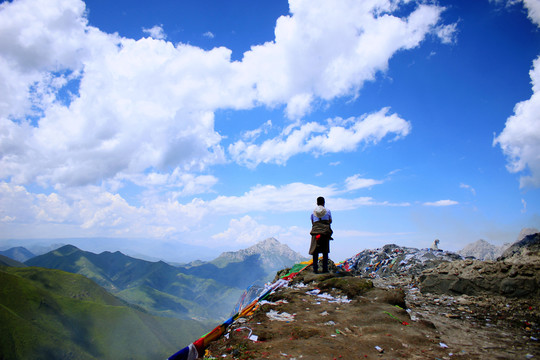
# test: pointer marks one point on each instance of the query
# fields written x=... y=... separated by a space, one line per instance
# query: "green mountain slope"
x=52 y=314
x=156 y=286
x=7 y=261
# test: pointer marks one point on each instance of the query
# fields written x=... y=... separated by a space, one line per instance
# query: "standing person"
x=321 y=234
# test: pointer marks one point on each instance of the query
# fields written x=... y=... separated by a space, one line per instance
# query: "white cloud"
x=252 y=135
x=180 y=183
x=520 y=138
x=156 y=32
x=209 y=35
x=329 y=49
x=94 y=211
x=441 y=203
x=447 y=33
x=246 y=230
x=149 y=104
x=36 y=39
x=336 y=136
x=532 y=7
x=356 y=182
x=468 y=187
x=533 y=10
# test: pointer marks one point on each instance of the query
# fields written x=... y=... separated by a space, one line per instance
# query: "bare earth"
x=390 y=320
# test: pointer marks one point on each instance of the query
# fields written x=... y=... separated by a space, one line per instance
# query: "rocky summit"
x=399 y=303
x=515 y=274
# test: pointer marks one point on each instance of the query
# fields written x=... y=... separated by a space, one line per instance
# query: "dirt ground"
x=332 y=317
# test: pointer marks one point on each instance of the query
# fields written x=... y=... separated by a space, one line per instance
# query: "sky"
x=180 y=129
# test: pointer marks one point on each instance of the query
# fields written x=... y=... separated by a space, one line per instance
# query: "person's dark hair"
x=320 y=201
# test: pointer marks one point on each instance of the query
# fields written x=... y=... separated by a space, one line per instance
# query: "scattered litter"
x=529 y=356
x=379 y=349
x=413 y=317
x=324 y=313
x=331 y=323
x=393 y=259
x=253 y=338
x=279 y=302
x=284 y=316
x=245 y=328
x=443 y=345
x=534 y=339
x=328 y=297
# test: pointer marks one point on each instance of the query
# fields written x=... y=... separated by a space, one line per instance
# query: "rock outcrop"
x=515 y=274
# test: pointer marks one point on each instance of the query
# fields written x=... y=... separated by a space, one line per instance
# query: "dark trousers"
x=324 y=262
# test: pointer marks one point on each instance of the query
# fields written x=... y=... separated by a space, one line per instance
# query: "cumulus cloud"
x=149 y=104
x=143 y=111
x=330 y=49
x=38 y=39
x=520 y=138
x=441 y=203
x=337 y=135
x=356 y=182
x=447 y=33
x=176 y=182
x=533 y=10
x=247 y=230
x=156 y=32
x=94 y=211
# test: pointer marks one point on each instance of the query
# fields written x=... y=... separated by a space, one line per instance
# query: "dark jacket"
x=322 y=230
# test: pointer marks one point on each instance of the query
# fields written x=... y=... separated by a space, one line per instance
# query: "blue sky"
x=165 y=125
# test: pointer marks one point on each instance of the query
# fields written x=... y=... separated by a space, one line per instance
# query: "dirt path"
x=325 y=317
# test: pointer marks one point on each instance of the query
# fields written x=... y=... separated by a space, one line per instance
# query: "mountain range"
x=207 y=291
x=53 y=314
x=70 y=303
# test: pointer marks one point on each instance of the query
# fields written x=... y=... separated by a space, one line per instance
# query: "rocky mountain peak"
x=482 y=250
x=525 y=250
x=272 y=254
x=269 y=245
